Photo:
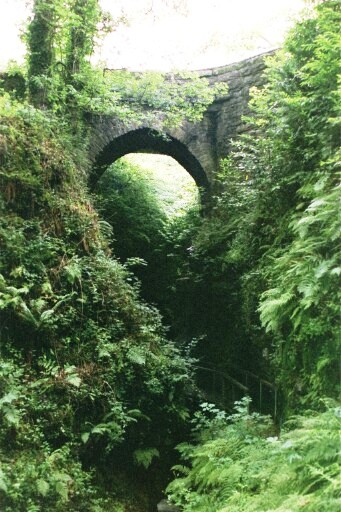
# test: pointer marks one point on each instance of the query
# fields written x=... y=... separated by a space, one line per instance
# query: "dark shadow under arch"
x=151 y=141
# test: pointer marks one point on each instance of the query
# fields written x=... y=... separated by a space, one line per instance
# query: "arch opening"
x=150 y=141
x=174 y=188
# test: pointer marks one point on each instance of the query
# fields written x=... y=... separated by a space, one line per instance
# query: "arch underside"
x=151 y=141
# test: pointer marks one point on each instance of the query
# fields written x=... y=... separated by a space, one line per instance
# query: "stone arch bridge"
x=198 y=147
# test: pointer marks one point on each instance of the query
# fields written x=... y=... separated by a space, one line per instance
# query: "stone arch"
x=152 y=141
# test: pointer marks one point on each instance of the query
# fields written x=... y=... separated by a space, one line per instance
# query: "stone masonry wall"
x=210 y=139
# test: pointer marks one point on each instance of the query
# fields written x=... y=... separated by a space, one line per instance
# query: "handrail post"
x=260 y=396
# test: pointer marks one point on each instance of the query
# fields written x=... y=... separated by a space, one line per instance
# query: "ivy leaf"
x=62 y=490
x=62 y=484
x=323 y=268
x=72 y=376
x=46 y=315
x=73 y=271
x=85 y=437
x=43 y=487
x=74 y=380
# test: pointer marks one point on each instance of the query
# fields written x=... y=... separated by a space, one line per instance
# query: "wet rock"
x=165 y=506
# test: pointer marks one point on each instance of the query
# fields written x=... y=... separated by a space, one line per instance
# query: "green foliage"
x=40 y=40
x=240 y=467
x=61 y=38
x=263 y=268
x=88 y=381
x=34 y=475
x=82 y=26
x=88 y=375
x=126 y=201
x=145 y=456
x=301 y=302
x=184 y=96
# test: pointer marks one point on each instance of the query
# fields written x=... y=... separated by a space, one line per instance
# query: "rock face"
x=164 y=506
x=197 y=147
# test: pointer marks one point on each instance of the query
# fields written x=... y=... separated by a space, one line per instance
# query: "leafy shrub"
x=127 y=202
x=87 y=363
x=240 y=467
x=264 y=266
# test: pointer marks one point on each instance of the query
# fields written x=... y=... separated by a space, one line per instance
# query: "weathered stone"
x=165 y=506
x=198 y=147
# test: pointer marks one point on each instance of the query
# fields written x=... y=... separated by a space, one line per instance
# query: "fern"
x=238 y=473
x=144 y=456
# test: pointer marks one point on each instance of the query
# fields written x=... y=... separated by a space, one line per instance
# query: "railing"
x=262 y=383
x=222 y=381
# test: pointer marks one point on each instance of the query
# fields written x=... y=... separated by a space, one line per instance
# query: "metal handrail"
x=226 y=376
x=245 y=389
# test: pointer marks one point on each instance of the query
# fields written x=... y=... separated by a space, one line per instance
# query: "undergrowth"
x=238 y=464
x=88 y=380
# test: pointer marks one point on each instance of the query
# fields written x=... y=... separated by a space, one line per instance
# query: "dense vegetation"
x=85 y=364
x=272 y=247
x=94 y=395
x=238 y=464
x=84 y=361
x=264 y=265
